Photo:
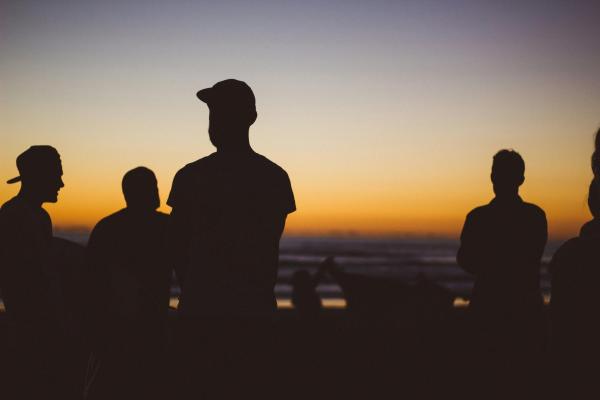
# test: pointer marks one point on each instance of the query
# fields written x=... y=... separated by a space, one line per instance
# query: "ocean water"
x=397 y=258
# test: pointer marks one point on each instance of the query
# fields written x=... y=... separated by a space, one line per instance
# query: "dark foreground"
x=336 y=354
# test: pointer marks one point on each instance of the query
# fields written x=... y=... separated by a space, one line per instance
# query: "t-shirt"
x=228 y=216
x=127 y=265
x=502 y=244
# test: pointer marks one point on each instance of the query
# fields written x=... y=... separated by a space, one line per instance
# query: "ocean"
x=396 y=258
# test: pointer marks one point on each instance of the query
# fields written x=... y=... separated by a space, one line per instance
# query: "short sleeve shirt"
x=235 y=208
x=510 y=238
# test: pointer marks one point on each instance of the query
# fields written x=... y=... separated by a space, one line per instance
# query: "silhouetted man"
x=502 y=244
x=28 y=281
x=229 y=211
x=305 y=299
x=130 y=283
x=575 y=270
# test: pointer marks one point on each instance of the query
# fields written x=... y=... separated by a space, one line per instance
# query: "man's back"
x=128 y=266
x=502 y=244
x=575 y=270
x=228 y=216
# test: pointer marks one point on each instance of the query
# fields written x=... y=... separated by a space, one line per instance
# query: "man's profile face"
x=48 y=185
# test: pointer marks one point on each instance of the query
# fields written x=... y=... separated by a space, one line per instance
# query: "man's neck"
x=508 y=198
x=235 y=148
x=31 y=199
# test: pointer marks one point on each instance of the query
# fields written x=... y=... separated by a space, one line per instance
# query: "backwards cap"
x=35 y=161
x=230 y=94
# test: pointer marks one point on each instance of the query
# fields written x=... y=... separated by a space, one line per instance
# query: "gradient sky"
x=385 y=114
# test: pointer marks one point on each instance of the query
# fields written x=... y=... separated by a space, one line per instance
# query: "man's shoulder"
x=12 y=206
x=16 y=209
x=566 y=254
x=270 y=167
x=186 y=176
x=118 y=220
x=207 y=164
x=195 y=167
x=534 y=210
x=110 y=220
x=11 y=213
x=479 y=212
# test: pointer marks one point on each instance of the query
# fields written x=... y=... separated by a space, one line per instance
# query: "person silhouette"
x=305 y=298
x=502 y=244
x=228 y=213
x=574 y=303
x=28 y=281
x=129 y=287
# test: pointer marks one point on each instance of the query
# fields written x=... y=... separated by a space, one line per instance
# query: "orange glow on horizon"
x=385 y=115
x=400 y=214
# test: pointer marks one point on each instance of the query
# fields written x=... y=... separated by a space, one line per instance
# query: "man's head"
x=40 y=173
x=508 y=173
x=232 y=109
x=140 y=189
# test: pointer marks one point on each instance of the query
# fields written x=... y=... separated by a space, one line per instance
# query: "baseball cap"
x=230 y=93
x=35 y=161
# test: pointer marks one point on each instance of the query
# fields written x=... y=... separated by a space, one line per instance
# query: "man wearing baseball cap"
x=27 y=281
x=229 y=211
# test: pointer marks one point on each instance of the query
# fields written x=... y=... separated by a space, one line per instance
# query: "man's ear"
x=522 y=180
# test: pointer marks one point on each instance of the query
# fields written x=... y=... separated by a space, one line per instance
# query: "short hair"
x=508 y=165
x=136 y=185
x=594 y=198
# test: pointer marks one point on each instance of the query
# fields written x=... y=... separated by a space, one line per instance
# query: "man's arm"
x=469 y=253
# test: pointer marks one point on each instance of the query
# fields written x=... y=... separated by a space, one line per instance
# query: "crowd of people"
x=221 y=242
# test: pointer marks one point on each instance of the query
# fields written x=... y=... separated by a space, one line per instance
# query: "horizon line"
x=336 y=234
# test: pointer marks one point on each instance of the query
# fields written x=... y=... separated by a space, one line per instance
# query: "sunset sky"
x=385 y=114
